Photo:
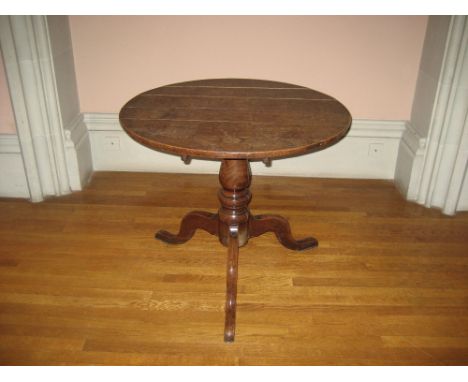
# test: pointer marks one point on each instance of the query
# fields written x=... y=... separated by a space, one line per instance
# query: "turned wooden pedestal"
x=234 y=225
x=235 y=121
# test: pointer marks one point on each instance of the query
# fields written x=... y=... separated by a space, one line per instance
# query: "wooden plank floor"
x=82 y=281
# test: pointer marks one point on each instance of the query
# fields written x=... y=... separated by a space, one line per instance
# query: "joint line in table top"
x=235 y=87
x=240 y=97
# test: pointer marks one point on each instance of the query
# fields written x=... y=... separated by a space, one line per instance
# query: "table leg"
x=260 y=224
x=190 y=223
x=231 y=285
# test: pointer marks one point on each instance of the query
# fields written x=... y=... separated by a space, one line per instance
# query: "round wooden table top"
x=235 y=119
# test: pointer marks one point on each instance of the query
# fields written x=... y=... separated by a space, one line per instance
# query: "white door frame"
x=48 y=147
x=445 y=158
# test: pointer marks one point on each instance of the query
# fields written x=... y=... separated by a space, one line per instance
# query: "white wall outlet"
x=376 y=149
x=111 y=143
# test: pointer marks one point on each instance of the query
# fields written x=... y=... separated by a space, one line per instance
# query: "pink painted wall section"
x=7 y=119
x=370 y=63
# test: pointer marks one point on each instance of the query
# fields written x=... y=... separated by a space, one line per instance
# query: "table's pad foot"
x=260 y=224
x=190 y=223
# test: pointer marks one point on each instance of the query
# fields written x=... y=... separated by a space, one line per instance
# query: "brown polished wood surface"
x=235 y=121
x=235 y=118
x=83 y=282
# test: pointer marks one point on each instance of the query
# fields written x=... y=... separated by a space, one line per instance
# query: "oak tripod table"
x=235 y=121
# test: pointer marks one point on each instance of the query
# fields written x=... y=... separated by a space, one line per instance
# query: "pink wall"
x=370 y=63
x=7 y=119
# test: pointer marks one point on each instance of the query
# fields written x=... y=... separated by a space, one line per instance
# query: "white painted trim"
x=75 y=132
x=413 y=140
x=451 y=159
x=31 y=78
x=78 y=151
x=457 y=195
x=53 y=124
x=347 y=159
x=102 y=121
x=9 y=144
x=462 y=201
x=13 y=181
x=15 y=82
x=447 y=123
x=432 y=170
x=56 y=151
x=365 y=128
x=409 y=162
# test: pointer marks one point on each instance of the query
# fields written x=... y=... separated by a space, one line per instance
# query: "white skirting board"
x=368 y=151
x=463 y=201
x=78 y=153
x=13 y=181
x=410 y=162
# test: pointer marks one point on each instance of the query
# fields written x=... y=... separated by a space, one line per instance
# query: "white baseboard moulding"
x=409 y=164
x=369 y=151
x=13 y=182
x=78 y=153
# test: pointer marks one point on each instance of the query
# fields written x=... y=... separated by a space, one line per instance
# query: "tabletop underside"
x=235 y=118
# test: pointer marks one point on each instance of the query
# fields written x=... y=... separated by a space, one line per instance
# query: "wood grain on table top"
x=235 y=118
